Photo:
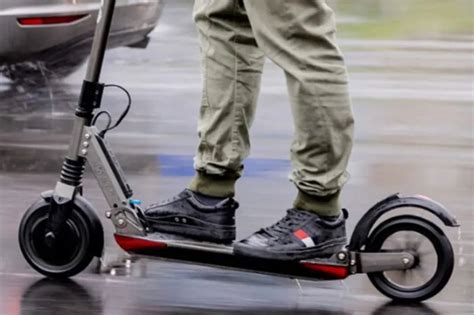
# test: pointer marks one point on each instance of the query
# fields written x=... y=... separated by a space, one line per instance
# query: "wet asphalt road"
x=414 y=115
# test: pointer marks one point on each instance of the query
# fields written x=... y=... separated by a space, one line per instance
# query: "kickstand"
x=299 y=285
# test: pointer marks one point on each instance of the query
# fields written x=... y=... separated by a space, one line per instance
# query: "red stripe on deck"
x=129 y=243
x=336 y=272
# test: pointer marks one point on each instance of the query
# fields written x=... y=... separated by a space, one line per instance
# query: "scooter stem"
x=72 y=170
x=104 y=21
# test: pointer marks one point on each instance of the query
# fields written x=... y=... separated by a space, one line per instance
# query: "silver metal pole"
x=104 y=20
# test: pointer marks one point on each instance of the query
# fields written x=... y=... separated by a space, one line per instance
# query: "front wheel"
x=72 y=250
x=434 y=258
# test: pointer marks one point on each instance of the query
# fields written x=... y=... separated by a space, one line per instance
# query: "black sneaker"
x=299 y=235
x=198 y=217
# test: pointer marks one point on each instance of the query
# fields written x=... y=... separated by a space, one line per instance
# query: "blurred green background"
x=405 y=19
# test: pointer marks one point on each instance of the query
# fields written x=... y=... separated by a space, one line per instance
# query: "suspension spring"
x=72 y=171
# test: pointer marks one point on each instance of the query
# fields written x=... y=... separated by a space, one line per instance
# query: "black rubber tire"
x=440 y=243
x=75 y=248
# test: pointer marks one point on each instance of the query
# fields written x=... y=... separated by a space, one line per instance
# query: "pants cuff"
x=214 y=185
x=321 y=205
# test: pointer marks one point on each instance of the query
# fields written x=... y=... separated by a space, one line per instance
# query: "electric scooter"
x=61 y=233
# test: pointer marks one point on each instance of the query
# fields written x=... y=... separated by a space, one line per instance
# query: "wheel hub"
x=54 y=250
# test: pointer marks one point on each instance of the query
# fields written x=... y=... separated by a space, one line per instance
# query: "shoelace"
x=169 y=200
x=286 y=224
x=184 y=194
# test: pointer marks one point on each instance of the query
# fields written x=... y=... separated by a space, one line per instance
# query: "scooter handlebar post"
x=104 y=21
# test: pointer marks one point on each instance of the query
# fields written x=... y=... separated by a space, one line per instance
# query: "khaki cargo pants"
x=298 y=36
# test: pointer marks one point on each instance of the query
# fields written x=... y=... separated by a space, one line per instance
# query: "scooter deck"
x=180 y=249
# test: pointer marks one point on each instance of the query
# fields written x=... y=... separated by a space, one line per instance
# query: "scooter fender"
x=363 y=227
x=91 y=214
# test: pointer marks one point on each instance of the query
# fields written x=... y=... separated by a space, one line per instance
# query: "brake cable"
x=109 y=116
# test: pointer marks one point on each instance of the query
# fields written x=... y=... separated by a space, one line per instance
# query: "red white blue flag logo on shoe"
x=304 y=237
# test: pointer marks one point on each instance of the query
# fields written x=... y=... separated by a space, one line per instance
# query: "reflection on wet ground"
x=414 y=135
x=75 y=298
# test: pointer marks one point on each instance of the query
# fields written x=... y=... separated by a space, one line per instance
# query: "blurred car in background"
x=53 y=37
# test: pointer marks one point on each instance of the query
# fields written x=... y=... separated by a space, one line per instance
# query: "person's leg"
x=232 y=65
x=299 y=36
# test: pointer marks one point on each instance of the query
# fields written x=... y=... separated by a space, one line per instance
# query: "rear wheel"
x=72 y=249
x=434 y=258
